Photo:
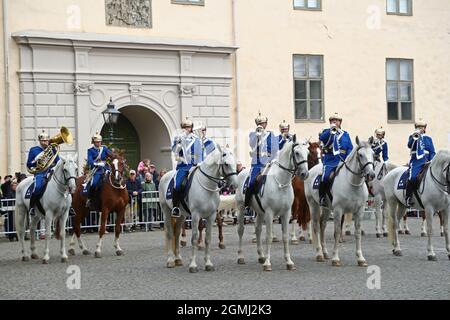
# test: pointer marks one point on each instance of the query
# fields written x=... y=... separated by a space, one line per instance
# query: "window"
x=308 y=4
x=399 y=7
x=400 y=89
x=195 y=2
x=308 y=87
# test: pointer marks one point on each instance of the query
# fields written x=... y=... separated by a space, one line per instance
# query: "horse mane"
x=441 y=156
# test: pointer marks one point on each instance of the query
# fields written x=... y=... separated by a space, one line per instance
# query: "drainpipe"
x=6 y=38
x=236 y=73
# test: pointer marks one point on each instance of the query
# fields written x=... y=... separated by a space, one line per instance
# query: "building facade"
x=376 y=62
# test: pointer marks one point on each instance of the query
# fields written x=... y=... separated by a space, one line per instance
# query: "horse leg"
x=323 y=224
x=338 y=215
x=444 y=222
x=62 y=234
x=423 y=229
x=177 y=231
x=284 y=228
x=240 y=220
x=405 y=223
x=378 y=217
x=195 y=221
x=269 y=238
x=359 y=255
x=201 y=226
x=209 y=221
x=48 y=235
x=117 y=229
x=347 y=221
x=220 y=227
x=33 y=225
x=429 y=217
x=293 y=237
x=315 y=215
x=441 y=222
x=397 y=213
x=169 y=228
x=385 y=215
x=183 y=236
x=258 y=228
x=103 y=216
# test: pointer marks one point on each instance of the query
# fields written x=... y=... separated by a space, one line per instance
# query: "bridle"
x=296 y=164
x=446 y=185
x=361 y=166
x=113 y=184
x=64 y=184
x=223 y=177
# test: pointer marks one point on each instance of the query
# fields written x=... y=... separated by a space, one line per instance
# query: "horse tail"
x=392 y=211
x=58 y=230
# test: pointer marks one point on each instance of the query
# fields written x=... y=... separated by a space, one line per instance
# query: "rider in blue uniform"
x=284 y=135
x=264 y=148
x=337 y=145
x=208 y=145
x=422 y=151
x=96 y=159
x=40 y=178
x=380 y=146
x=187 y=148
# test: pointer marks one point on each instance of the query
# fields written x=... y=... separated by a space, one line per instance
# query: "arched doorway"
x=142 y=134
x=125 y=138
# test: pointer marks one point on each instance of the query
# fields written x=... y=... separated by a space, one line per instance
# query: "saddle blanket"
x=403 y=180
x=260 y=184
x=185 y=186
x=316 y=183
x=84 y=191
x=29 y=191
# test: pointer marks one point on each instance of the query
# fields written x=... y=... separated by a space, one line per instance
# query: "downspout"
x=6 y=38
x=236 y=73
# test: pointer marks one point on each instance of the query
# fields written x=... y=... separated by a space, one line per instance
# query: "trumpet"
x=259 y=131
x=416 y=134
x=334 y=129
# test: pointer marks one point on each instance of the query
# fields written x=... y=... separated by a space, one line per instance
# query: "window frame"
x=187 y=2
x=398 y=13
x=398 y=82
x=306 y=8
x=308 y=80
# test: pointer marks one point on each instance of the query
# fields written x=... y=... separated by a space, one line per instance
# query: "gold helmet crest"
x=97 y=137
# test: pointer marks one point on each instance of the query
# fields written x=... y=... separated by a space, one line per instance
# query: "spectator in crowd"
x=149 y=208
x=134 y=188
x=6 y=186
x=9 y=226
x=143 y=164
x=158 y=179
x=141 y=175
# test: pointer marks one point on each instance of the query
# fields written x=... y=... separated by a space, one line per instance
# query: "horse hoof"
x=397 y=253
x=362 y=263
x=291 y=267
x=341 y=240
x=348 y=233
x=326 y=256
x=193 y=269
x=336 y=263
x=25 y=258
x=401 y=232
x=241 y=261
x=86 y=252
x=64 y=259
x=178 y=262
x=432 y=258
x=98 y=254
x=200 y=248
x=34 y=256
x=209 y=268
x=320 y=259
x=183 y=243
x=71 y=252
x=261 y=260
x=378 y=235
x=44 y=261
x=423 y=234
x=363 y=233
x=267 y=268
x=407 y=232
x=442 y=234
x=302 y=238
x=310 y=241
x=119 y=252
x=275 y=239
x=293 y=242
x=171 y=264
x=254 y=240
x=385 y=234
x=221 y=246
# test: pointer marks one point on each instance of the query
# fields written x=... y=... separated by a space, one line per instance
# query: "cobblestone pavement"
x=142 y=274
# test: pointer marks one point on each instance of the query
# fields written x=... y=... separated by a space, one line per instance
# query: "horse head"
x=315 y=154
x=227 y=166
x=118 y=167
x=364 y=156
x=69 y=172
x=299 y=157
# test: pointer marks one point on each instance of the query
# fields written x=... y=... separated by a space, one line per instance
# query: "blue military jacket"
x=337 y=146
x=381 y=146
x=422 y=149
x=282 y=141
x=190 y=151
x=208 y=146
x=264 y=149
x=34 y=151
x=93 y=155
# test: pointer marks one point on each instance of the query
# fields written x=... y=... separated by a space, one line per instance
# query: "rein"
x=361 y=168
x=62 y=187
x=217 y=180
x=446 y=185
x=291 y=171
x=120 y=187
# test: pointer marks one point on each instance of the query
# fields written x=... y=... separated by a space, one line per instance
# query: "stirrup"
x=32 y=212
x=88 y=203
x=409 y=202
x=323 y=202
x=175 y=212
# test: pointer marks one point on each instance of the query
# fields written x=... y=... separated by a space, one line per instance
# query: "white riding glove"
x=99 y=164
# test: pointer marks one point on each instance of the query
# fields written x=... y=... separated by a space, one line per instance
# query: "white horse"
x=56 y=203
x=376 y=185
x=203 y=202
x=434 y=195
x=349 y=196
x=276 y=200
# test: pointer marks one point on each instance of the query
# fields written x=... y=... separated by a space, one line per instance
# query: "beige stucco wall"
x=354 y=64
x=268 y=32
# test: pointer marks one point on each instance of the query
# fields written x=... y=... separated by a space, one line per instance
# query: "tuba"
x=45 y=158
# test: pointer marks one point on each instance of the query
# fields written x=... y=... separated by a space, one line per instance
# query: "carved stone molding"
x=128 y=13
x=82 y=87
x=187 y=90
x=135 y=91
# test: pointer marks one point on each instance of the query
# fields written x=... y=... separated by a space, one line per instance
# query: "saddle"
x=420 y=177
x=184 y=188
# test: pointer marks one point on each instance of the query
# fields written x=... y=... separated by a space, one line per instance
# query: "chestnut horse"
x=112 y=197
x=300 y=208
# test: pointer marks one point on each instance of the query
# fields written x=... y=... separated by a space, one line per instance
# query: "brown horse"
x=112 y=197
x=300 y=208
x=201 y=226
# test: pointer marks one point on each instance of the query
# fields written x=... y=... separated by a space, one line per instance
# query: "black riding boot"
x=410 y=186
x=248 y=197
x=323 y=194
x=90 y=197
x=176 y=203
x=32 y=205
